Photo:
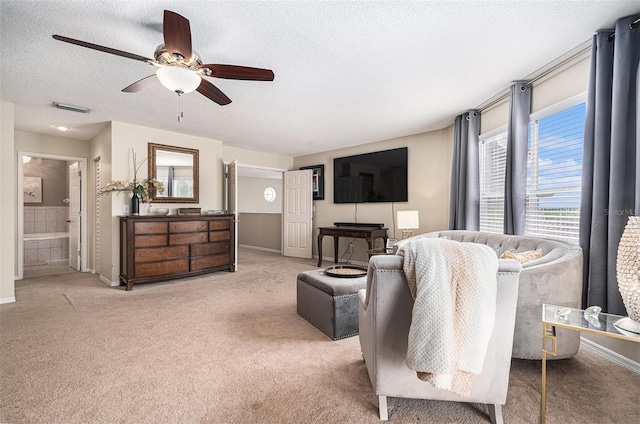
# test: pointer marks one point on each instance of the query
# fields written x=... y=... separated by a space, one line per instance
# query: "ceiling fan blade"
x=177 y=34
x=102 y=48
x=213 y=93
x=239 y=72
x=140 y=85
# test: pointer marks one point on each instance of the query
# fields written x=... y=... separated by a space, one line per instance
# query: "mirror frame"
x=153 y=148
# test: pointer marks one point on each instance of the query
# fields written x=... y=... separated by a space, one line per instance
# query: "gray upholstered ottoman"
x=330 y=303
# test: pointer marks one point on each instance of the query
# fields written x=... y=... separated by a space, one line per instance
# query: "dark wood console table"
x=368 y=233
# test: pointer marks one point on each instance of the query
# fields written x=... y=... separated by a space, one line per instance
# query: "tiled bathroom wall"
x=46 y=251
x=46 y=219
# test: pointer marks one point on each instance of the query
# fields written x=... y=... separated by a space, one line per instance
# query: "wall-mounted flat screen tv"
x=371 y=177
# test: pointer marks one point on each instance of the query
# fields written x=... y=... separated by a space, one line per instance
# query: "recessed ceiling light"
x=61 y=128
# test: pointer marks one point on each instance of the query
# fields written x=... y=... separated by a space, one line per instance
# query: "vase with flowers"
x=140 y=189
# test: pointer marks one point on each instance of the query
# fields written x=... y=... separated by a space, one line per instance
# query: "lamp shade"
x=408 y=220
x=178 y=79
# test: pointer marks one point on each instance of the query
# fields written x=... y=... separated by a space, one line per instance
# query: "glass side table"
x=574 y=320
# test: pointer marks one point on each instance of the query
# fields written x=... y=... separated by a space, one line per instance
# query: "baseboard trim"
x=108 y=282
x=7 y=300
x=611 y=355
x=264 y=249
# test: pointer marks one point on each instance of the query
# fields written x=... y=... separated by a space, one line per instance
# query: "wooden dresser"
x=156 y=248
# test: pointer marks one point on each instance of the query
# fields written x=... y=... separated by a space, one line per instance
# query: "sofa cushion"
x=522 y=257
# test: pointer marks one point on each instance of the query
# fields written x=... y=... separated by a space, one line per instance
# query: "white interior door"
x=74 y=216
x=298 y=202
x=232 y=204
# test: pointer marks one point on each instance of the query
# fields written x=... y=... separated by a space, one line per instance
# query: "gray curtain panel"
x=515 y=184
x=611 y=161
x=464 y=210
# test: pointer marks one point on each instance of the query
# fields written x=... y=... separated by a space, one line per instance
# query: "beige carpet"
x=230 y=348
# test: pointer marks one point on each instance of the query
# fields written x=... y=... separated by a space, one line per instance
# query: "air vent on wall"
x=72 y=108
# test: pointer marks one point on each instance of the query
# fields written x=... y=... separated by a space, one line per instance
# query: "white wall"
x=254 y=157
x=251 y=195
x=8 y=214
x=429 y=174
x=52 y=145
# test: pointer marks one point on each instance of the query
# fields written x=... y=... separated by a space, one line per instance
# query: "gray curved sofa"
x=555 y=278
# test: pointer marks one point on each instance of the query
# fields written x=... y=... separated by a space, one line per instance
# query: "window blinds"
x=554 y=173
x=493 y=155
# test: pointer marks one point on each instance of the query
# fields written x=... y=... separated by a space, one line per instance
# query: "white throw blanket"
x=453 y=285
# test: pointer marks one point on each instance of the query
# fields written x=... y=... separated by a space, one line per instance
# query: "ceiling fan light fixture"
x=177 y=79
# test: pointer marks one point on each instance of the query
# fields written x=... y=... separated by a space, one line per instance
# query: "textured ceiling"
x=346 y=73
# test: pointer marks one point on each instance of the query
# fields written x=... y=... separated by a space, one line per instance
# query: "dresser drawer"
x=187 y=227
x=187 y=238
x=148 y=241
x=209 y=249
x=212 y=261
x=162 y=268
x=150 y=228
x=223 y=224
x=219 y=235
x=151 y=254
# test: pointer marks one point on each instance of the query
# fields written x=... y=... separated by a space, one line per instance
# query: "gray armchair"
x=385 y=316
x=555 y=278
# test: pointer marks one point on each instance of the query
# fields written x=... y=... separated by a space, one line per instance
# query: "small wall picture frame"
x=32 y=189
x=317 y=181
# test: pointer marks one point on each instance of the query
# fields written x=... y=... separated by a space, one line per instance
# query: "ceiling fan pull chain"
x=180 y=114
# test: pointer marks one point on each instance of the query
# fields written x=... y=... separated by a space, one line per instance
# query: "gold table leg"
x=548 y=333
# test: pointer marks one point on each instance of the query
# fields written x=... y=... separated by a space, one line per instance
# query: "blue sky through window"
x=558 y=160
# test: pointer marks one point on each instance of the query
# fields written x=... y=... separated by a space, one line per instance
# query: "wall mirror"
x=177 y=168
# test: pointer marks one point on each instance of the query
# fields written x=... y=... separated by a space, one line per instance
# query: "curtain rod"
x=500 y=97
x=631 y=25
x=538 y=75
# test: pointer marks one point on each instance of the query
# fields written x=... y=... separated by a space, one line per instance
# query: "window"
x=269 y=194
x=554 y=174
x=493 y=155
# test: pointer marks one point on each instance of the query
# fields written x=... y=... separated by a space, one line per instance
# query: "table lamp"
x=408 y=220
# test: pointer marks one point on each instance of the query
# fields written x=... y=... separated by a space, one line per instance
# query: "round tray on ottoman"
x=346 y=271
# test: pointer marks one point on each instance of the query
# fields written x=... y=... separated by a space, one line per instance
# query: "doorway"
x=51 y=236
x=260 y=203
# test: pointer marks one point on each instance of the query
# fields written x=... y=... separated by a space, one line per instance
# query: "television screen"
x=371 y=177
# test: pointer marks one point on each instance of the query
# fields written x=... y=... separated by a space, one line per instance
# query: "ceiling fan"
x=180 y=68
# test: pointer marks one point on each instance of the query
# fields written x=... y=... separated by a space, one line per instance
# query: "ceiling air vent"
x=72 y=108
